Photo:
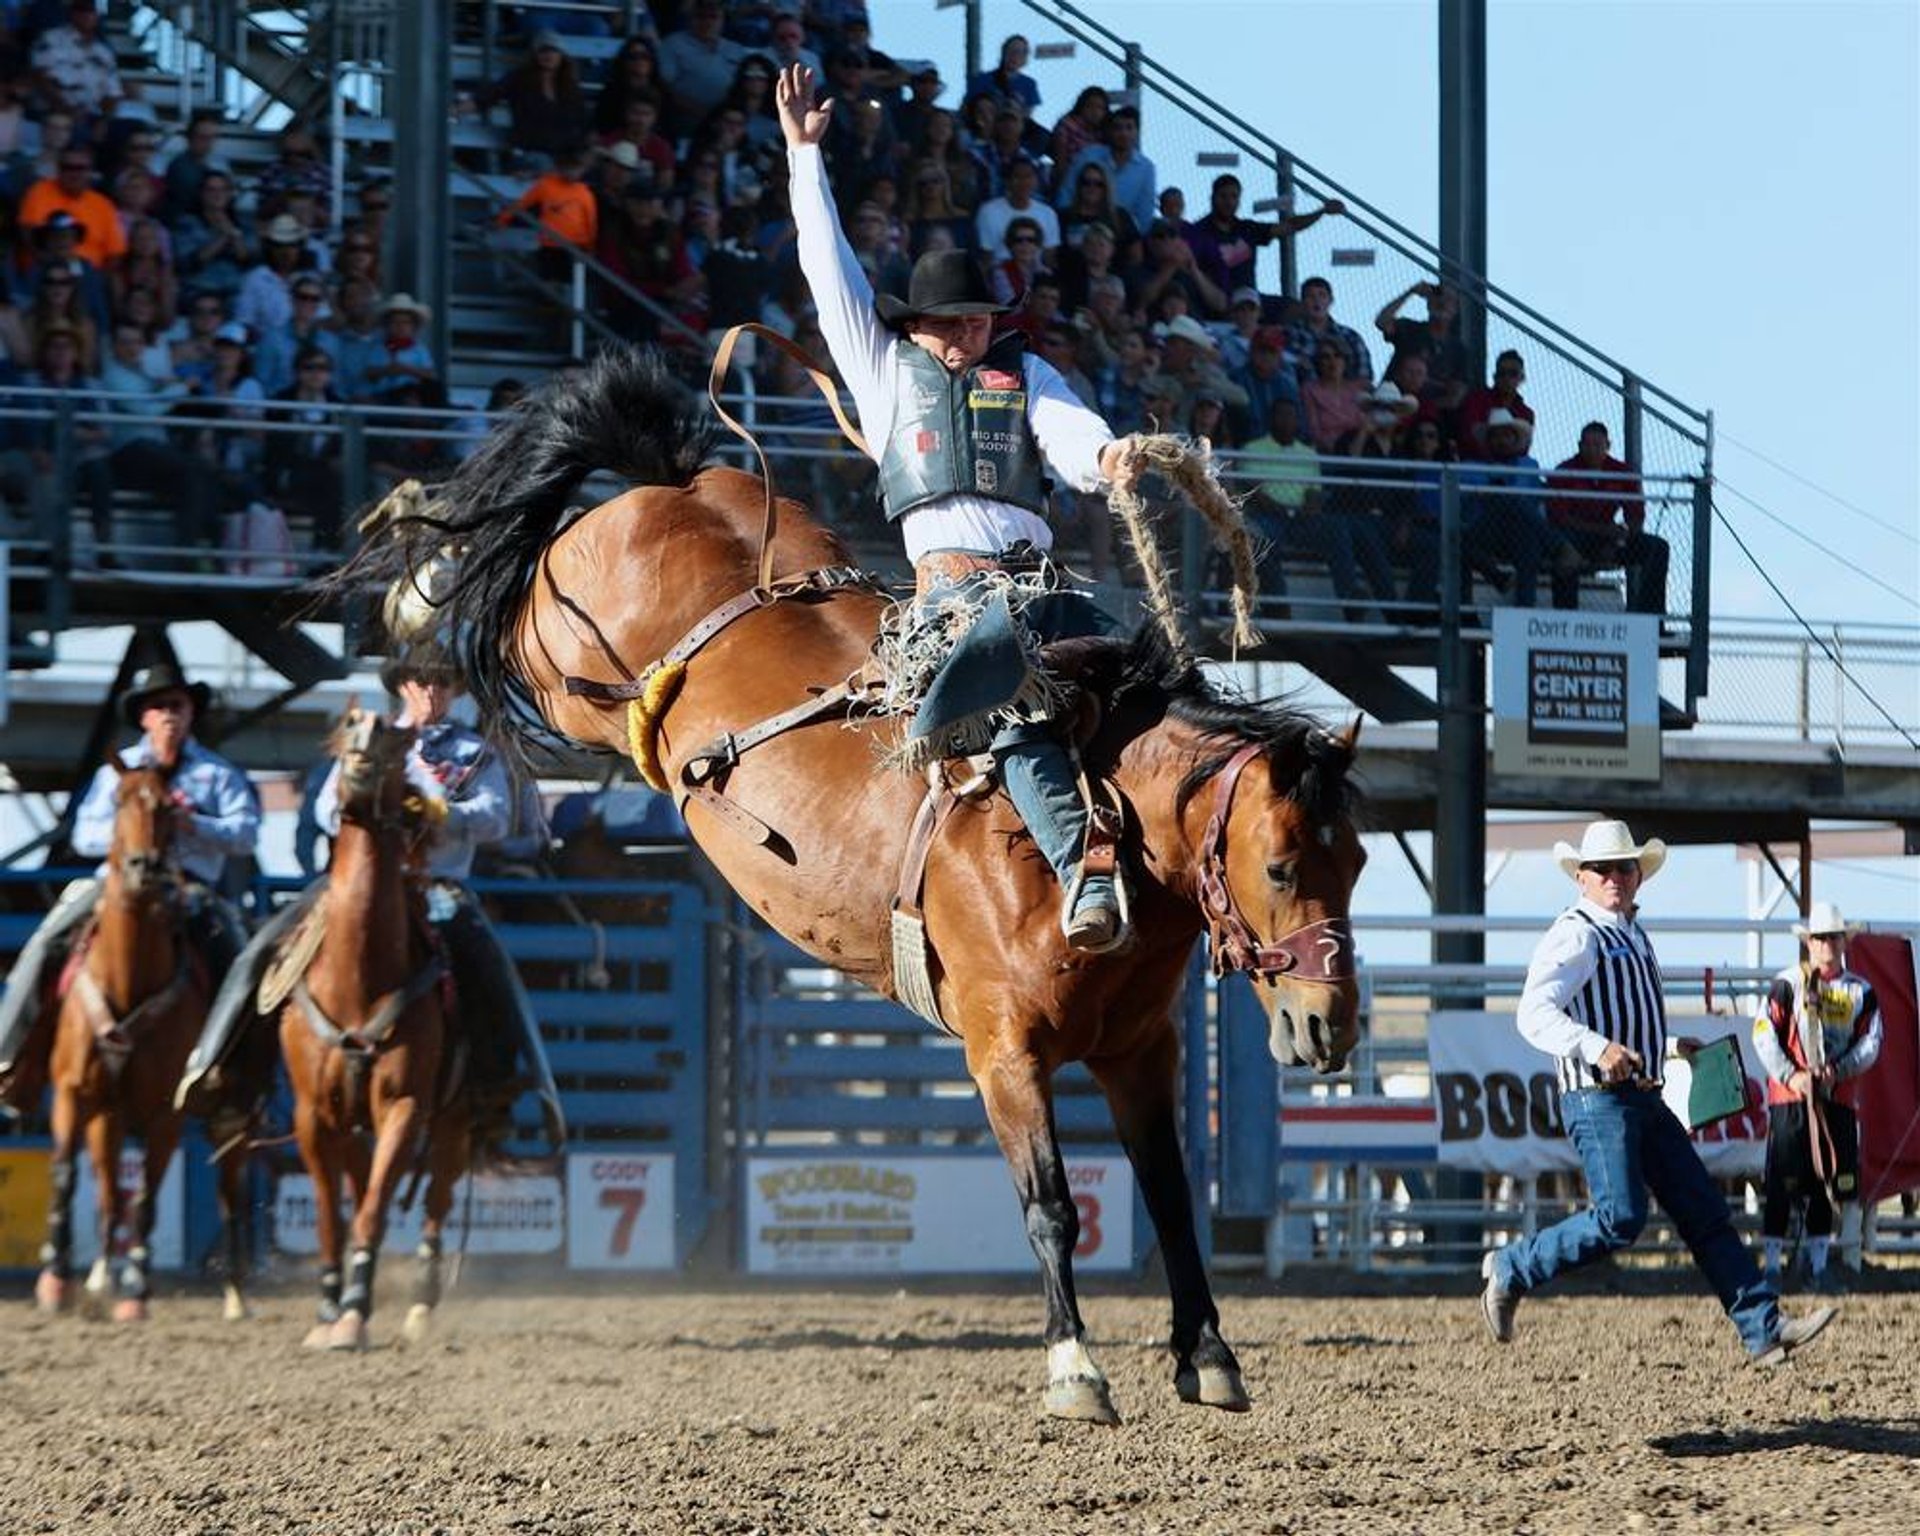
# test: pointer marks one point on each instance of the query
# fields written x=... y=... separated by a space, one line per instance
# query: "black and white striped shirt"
x=1594 y=981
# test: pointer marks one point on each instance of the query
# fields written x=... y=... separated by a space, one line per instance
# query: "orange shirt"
x=102 y=240
x=565 y=207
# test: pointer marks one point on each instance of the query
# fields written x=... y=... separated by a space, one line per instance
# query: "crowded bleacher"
x=189 y=300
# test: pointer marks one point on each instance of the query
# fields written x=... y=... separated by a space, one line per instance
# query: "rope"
x=1188 y=466
x=643 y=721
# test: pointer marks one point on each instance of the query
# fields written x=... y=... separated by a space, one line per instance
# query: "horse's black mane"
x=1309 y=762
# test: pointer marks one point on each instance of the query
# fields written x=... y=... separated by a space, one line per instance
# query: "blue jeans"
x=1629 y=1143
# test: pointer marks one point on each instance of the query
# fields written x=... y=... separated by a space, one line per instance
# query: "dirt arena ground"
x=778 y=1411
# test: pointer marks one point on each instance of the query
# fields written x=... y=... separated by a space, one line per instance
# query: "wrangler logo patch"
x=996 y=400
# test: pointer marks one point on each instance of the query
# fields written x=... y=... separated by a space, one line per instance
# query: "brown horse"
x=810 y=827
x=366 y=1038
x=133 y=1004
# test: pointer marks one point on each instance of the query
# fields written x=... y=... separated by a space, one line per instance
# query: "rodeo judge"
x=220 y=820
x=1593 y=1001
x=454 y=768
x=1821 y=1028
x=967 y=427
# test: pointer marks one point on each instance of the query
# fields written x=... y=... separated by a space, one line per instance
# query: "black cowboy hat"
x=943 y=283
x=421 y=664
x=163 y=678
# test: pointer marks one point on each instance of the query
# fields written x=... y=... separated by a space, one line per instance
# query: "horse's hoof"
x=51 y=1292
x=317 y=1336
x=419 y=1323
x=1083 y=1399
x=350 y=1333
x=234 y=1308
x=1213 y=1386
x=130 y=1309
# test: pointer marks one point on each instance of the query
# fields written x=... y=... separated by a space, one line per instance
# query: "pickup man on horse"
x=222 y=821
x=967 y=427
x=454 y=769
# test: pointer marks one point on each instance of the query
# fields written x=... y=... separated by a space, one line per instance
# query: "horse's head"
x=1277 y=869
x=373 y=789
x=145 y=818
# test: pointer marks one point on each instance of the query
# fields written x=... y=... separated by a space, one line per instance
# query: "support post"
x=1289 y=258
x=1463 y=167
x=422 y=104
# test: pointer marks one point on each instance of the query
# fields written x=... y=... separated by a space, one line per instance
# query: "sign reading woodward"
x=920 y=1215
x=1497 y=1104
x=1576 y=695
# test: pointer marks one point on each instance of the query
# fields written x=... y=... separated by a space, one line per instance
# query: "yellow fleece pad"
x=643 y=721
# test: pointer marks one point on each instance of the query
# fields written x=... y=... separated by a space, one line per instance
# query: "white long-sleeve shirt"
x=866 y=352
x=224 y=816
x=1565 y=960
x=450 y=763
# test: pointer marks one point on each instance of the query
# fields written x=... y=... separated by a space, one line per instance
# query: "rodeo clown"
x=968 y=427
x=1821 y=1028
x=220 y=820
x=455 y=770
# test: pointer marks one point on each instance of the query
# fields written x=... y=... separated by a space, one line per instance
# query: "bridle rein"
x=1318 y=952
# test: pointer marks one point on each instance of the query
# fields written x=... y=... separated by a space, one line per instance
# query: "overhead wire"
x=1826 y=550
x=1910 y=535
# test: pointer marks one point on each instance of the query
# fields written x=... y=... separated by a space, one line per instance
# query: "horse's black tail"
x=623 y=414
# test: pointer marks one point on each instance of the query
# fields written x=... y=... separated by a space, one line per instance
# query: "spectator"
x=1410 y=373
x=19 y=133
x=403 y=357
x=1038 y=310
x=1085 y=259
x=1236 y=336
x=996 y=215
x=1313 y=326
x=738 y=273
x=140 y=457
x=929 y=208
x=1092 y=203
x=356 y=260
x=1131 y=172
x=229 y=395
x=1169 y=267
x=359 y=340
x=56 y=246
x=1007 y=80
x=192 y=164
x=654 y=259
x=1191 y=357
x=859 y=144
x=276 y=354
x=639 y=128
x=1437 y=340
x=564 y=205
x=1081 y=127
x=71 y=191
x=752 y=97
x=42 y=161
x=147 y=265
x=546 y=109
x=193 y=349
x=1207 y=419
x=74 y=67
x=376 y=208
x=1268 y=374
x=412 y=447
x=869 y=237
x=301 y=472
x=880 y=75
x=213 y=247
x=1331 y=403
x=140 y=151
x=1123 y=384
x=58 y=306
x=140 y=307
x=698 y=63
x=1172 y=206
x=1224 y=244
x=136 y=195
x=1413 y=519
x=297 y=167
x=939 y=141
x=634 y=73
x=1004 y=145
x=911 y=117
x=1506 y=523
x=1599 y=510
x=1477 y=409
x=265 y=300
x=788 y=45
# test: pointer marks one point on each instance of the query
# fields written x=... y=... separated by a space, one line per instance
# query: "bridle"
x=1319 y=952
x=150 y=874
x=358 y=759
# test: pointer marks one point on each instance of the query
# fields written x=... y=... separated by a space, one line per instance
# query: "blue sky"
x=1724 y=196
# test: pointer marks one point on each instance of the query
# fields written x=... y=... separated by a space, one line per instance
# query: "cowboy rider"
x=1842 y=1007
x=969 y=425
x=220 y=820
x=454 y=768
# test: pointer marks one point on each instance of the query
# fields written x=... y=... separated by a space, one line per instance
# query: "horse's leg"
x=236 y=1213
x=104 y=1140
x=1140 y=1089
x=50 y=1290
x=399 y=1125
x=1019 y=1104
x=446 y=1161
x=320 y=1151
x=135 y=1288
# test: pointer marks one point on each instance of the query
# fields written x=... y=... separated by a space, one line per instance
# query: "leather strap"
x=927 y=821
x=716 y=379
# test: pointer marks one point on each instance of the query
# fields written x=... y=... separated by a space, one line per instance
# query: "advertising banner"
x=1497 y=1102
x=620 y=1211
x=23 y=1206
x=870 y=1215
x=1576 y=695
x=510 y=1214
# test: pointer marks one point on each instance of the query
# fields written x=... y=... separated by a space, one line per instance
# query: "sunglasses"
x=1023 y=240
x=56 y=282
x=1606 y=869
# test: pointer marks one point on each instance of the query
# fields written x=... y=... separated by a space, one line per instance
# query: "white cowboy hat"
x=1387 y=397
x=1186 y=328
x=1825 y=918
x=1500 y=416
x=1605 y=842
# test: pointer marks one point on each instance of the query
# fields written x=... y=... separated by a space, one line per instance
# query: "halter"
x=1321 y=951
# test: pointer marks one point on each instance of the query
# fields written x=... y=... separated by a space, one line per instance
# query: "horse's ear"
x=1350 y=737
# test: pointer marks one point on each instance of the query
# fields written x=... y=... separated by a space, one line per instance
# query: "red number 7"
x=628 y=1201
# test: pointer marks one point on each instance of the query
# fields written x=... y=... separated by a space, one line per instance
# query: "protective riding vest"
x=1849 y=1017
x=962 y=433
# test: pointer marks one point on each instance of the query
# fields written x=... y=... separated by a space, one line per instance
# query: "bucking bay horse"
x=365 y=1033
x=655 y=624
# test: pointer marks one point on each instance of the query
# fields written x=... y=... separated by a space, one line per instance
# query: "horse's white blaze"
x=1069 y=1361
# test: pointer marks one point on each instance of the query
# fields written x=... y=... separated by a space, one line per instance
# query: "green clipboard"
x=1719 y=1086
